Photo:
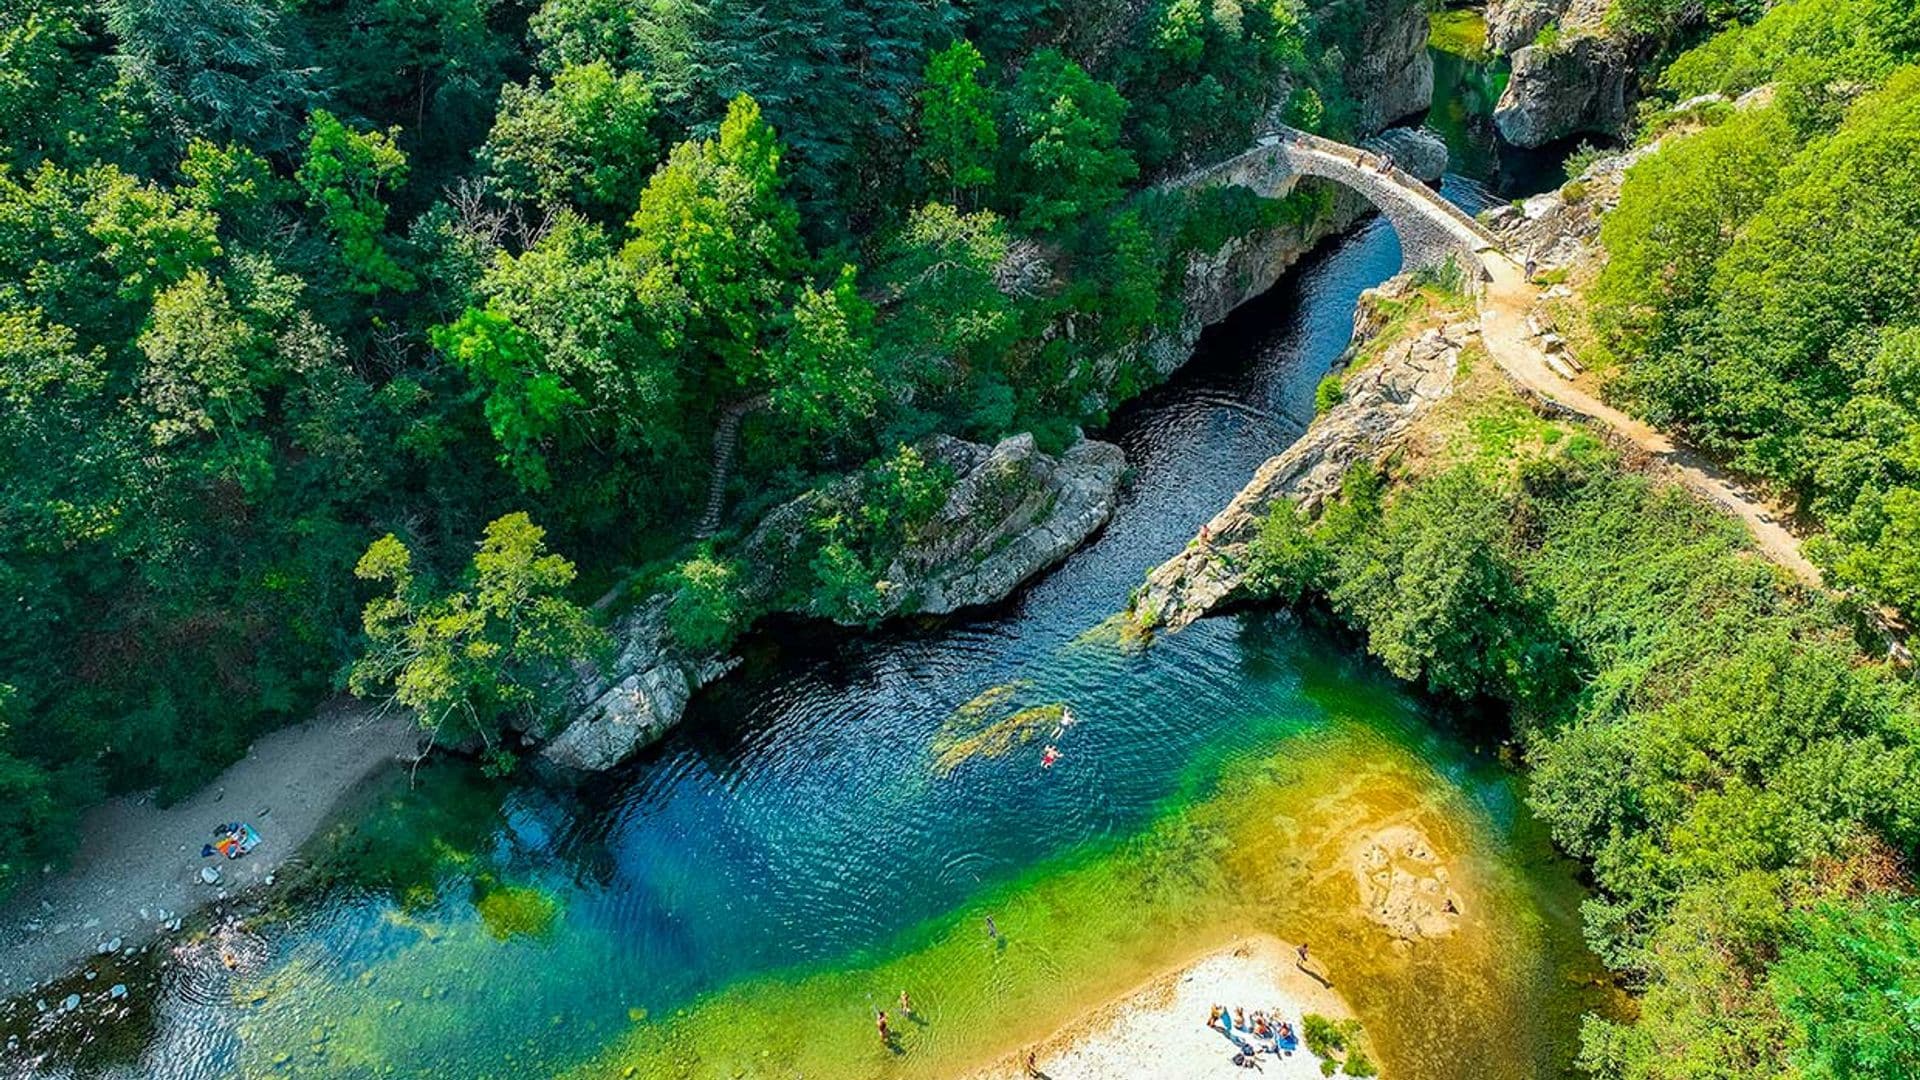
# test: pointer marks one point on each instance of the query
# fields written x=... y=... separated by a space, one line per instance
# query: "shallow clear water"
x=735 y=902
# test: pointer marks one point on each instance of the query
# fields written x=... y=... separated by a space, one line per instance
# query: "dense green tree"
x=489 y=652
x=1679 y=212
x=59 y=96
x=715 y=239
x=1847 y=980
x=216 y=69
x=959 y=139
x=949 y=323
x=1066 y=137
x=707 y=609
x=434 y=68
x=569 y=360
x=585 y=139
x=823 y=375
x=346 y=176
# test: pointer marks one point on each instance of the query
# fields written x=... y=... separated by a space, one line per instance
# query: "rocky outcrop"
x=638 y=695
x=1381 y=401
x=1390 y=72
x=1583 y=82
x=1555 y=229
x=1011 y=512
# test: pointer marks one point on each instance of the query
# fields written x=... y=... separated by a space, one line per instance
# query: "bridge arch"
x=1430 y=228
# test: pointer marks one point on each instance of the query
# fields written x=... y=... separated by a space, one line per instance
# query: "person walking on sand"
x=1302 y=950
x=1033 y=1067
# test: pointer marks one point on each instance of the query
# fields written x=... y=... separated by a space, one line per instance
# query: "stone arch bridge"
x=1430 y=228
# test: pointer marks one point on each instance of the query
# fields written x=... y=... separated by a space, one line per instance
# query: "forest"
x=431 y=309
x=1762 y=291
x=1700 y=731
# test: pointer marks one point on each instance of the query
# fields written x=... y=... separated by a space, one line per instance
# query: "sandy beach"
x=1159 y=1030
x=138 y=868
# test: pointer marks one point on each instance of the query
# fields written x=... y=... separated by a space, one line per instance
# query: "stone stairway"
x=726 y=437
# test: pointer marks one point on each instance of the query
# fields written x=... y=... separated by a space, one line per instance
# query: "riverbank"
x=136 y=873
x=1159 y=1028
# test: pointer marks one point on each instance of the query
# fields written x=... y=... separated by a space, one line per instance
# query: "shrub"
x=707 y=610
x=1582 y=159
x=1330 y=392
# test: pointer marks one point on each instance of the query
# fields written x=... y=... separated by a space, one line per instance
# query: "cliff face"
x=1390 y=73
x=1382 y=400
x=1583 y=77
x=1583 y=83
x=1012 y=512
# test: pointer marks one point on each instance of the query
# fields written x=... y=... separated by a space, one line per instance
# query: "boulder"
x=640 y=695
x=1014 y=512
x=1417 y=150
x=1584 y=83
x=1011 y=512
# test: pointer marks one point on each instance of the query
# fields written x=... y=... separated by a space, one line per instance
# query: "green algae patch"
x=1122 y=630
x=978 y=730
x=1462 y=32
x=510 y=911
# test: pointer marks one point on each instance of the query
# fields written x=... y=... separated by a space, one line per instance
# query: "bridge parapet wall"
x=1430 y=228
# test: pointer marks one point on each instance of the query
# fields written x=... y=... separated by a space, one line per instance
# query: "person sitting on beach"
x=1260 y=1025
x=1240 y=1019
x=1216 y=1017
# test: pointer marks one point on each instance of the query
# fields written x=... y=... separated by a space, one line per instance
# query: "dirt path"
x=138 y=867
x=1504 y=306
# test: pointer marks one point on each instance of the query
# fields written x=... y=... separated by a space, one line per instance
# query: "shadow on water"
x=799 y=845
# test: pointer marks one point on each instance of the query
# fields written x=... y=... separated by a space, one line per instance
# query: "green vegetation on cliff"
x=1701 y=732
x=1760 y=289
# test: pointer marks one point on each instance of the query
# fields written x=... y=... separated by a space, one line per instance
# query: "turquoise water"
x=799 y=844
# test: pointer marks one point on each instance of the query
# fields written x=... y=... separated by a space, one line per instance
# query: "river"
x=828 y=827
